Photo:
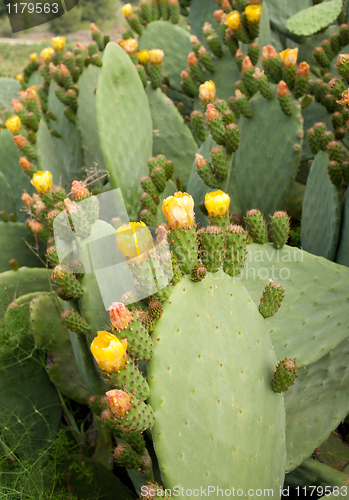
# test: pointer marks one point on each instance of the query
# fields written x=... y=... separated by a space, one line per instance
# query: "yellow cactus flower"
x=120 y=316
x=109 y=352
x=33 y=56
x=253 y=13
x=156 y=56
x=289 y=57
x=130 y=46
x=20 y=78
x=179 y=211
x=119 y=402
x=58 y=42
x=42 y=181
x=134 y=239
x=233 y=20
x=207 y=91
x=217 y=203
x=14 y=124
x=143 y=56
x=47 y=54
x=127 y=10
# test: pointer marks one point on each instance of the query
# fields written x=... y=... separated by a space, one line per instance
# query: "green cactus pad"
x=343 y=247
x=313 y=305
x=321 y=402
x=174 y=41
x=314 y=473
x=171 y=136
x=126 y=143
x=184 y=247
x=14 y=240
x=213 y=412
x=201 y=11
x=87 y=119
x=314 y=19
x=276 y=150
x=321 y=211
x=9 y=88
x=10 y=168
x=49 y=333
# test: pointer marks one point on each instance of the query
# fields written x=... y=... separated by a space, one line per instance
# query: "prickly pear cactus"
x=210 y=387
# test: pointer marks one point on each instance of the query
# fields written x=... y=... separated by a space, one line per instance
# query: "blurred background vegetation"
x=75 y=25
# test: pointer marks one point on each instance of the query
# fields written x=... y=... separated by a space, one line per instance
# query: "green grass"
x=14 y=57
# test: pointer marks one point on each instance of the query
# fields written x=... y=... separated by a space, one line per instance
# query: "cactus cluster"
x=204 y=371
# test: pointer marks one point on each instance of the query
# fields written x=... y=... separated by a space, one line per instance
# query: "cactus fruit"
x=271 y=299
x=257 y=225
x=285 y=375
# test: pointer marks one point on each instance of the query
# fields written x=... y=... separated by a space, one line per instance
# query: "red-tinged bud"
x=119 y=402
x=27 y=199
x=218 y=15
x=239 y=54
x=80 y=46
x=94 y=29
x=246 y=64
x=194 y=40
x=79 y=191
x=31 y=94
x=269 y=52
x=52 y=68
x=20 y=141
x=206 y=27
x=202 y=51
x=225 y=4
x=303 y=69
x=34 y=225
x=200 y=161
x=211 y=113
x=258 y=73
x=25 y=164
x=63 y=70
x=120 y=316
x=16 y=105
x=185 y=74
x=192 y=60
x=282 y=89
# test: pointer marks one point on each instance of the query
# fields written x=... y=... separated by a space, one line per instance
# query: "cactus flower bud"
x=34 y=225
x=192 y=59
x=120 y=316
x=63 y=70
x=233 y=20
x=130 y=46
x=253 y=13
x=58 y=42
x=46 y=54
x=143 y=56
x=134 y=239
x=156 y=56
x=25 y=163
x=194 y=40
x=20 y=141
x=282 y=89
x=289 y=57
x=127 y=10
x=27 y=199
x=303 y=69
x=217 y=203
x=119 y=402
x=199 y=161
x=246 y=64
x=179 y=211
x=218 y=14
x=79 y=191
x=16 y=105
x=206 y=28
x=211 y=113
x=14 y=124
x=207 y=91
x=109 y=352
x=94 y=29
x=31 y=93
x=42 y=181
x=269 y=52
x=20 y=78
x=33 y=56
